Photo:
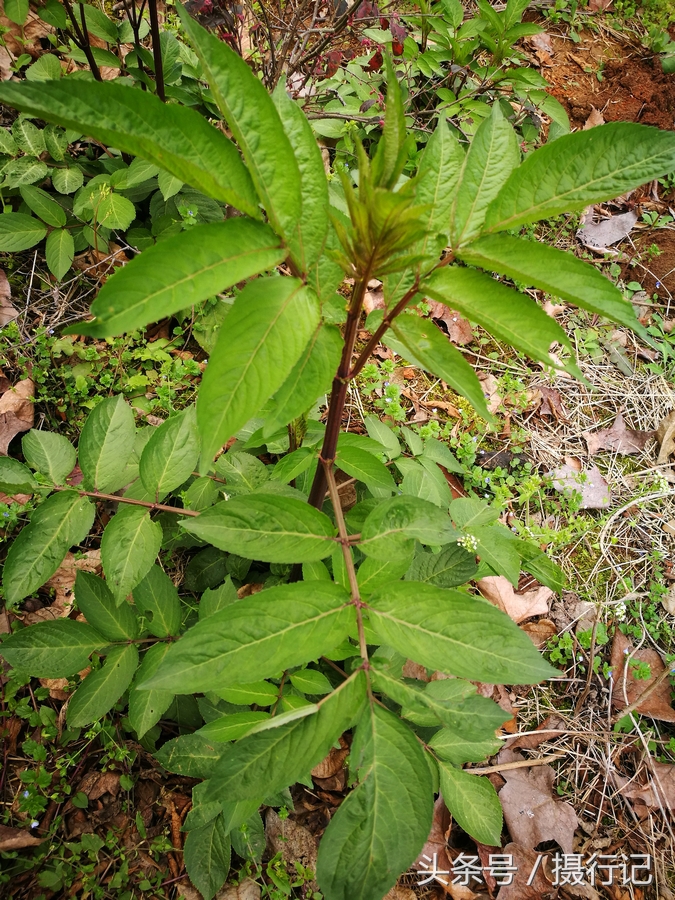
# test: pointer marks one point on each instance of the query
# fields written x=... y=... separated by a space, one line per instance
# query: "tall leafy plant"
x=349 y=598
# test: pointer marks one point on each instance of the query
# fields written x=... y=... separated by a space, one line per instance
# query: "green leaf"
x=467 y=512
x=101 y=689
x=391 y=154
x=390 y=530
x=544 y=569
x=59 y=251
x=7 y=143
x=202 y=493
x=456 y=703
x=171 y=454
x=458 y=749
x=451 y=567
x=54 y=649
x=553 y=271
x=381 y=433
x=267 y=528
x=212 y=601
x=115 y=212
x=29 y=137
x=424 y=345
x=310 y=377
x=50 y=454
x=174 y=137
x=455 y=633
x=255 y=124
x=497 y=548
x=64 y=519
x=46 y=68
x=190 y=754
x=249 y=840
x=19 y=232
x=68 y=180
x=262 y=338
x=504 y=312
x=99 y=24
x=438 y=452
x=168 y=184
x=293 y=464
x=207 y=857
x=43 y=205
x=579 y=169
x=97 y=604
x=157 y=598
x=15 y=478
x=233 y=726
x=206 y=570
x=381 y=827
x=182 y=271
x=262 y=693
x=493 y=154
x=271 y=760
x=106 y=445
x=242 y=472
x=365 y=467
x=16 y=10
x=129 y=546
x=473 y=803
x=262 y=635
x=311 y=681
x=373 y=572
x=146 y=708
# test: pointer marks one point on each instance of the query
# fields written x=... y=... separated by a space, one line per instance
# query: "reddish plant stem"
x=157 y=50
x=384 y=325
x=98 y=495
x=82 y=38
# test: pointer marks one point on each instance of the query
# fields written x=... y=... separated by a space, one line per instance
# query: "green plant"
x=347 y=598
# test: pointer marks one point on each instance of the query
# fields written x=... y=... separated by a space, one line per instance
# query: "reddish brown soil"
x=656 y=274
x=633 y=87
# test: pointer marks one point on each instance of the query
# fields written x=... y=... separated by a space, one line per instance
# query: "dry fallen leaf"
x=295 y=843
x=373 y=300
x=572 y=478
x=596 y=118
x=548 y=402
x=601 y=235
x=7 y=310
x=658 y=792
x=333 y=763
x=547 y=731
x=540 y=632
x=435 y=851
x=499 y=591
x=458 y=328
x=618 y=438
x=17 y=413
x=599 y=5
x=16 y=839
x=626 y=691
x=247 y=890
x=63 y=582
x=668 y=602
x=665 y=435
x=529 y=865
x=490 y=385
x=531 y=812
x=398 y=892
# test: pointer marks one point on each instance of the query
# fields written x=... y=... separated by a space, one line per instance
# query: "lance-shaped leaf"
x=455 y=633
x=451 y=567
x=437 y=180
x=380 y=828
x=129 y=546
x=364 y=466
x=157 y=598
x=254 y=121
x=53 y=649
x=456 y=748
x=101 y=689
x=474 y=804
x=391 y=529
x=423 y=344
x=19 y=232
x=62 y=520
x=391 y=154
x=146 y=708
x=207 y=856
x=180 y=272
x=492 y=156
x=97 y=604
x=171 y=454
x=579 y=169
x=553 y=271
x=310 y=377
x=173 y=137
x=50 y=454
x=106 y=445
x=504 y=312
x=190 y=754
x=270 y=760
x=307 y=244
x=258 y=637
x=266 y=527
x=262 y=338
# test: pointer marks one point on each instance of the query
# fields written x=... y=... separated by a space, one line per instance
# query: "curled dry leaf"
x=540 y=632
x=16 y=839
x=665 y=435
x=436 y=850
x=601 y=235
x=373 y=300
x=62 y=582
x=333 y=763
x=7 y=309
x=547 y=731
x=530 y=867
x=16 y=412
x=618 y=438
x=571 y=478
x=628 y=689
x=458 y=328
x=490 y=386
x=668 y=602
x=398 y=892
x=547 y=402
x=596 y=118
x=531 y=812
x=247 y=890
x=657 y=793
x=499 y=591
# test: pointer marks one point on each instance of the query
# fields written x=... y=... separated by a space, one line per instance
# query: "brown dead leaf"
x=596 y=118
x=665 y=435
x=398 y=892
x=187 y=891
x=333 y=763
x=544 y=732
x=601 y=235
x=550 y=402
x=618 y=438
x=106 y=783
x=658 y=792
x=247 y=590
x=525 y=861
x=27 y=38
x=56 y=687
x=572 y=478
x=16 y=839
x=541 y=41
x=490 y=386
x=247 y=890
x=540 y=632
x=599 y=5
x=436 y=848
x=7 y=309
x=531 y=812
x=499 y=591
x=668 y=602
x=553 y=309
x=373 y=300
x=628 y=690
x=17 y=413
x=295 y=843
x=412 y=669
x=63 y=582
x=458 y=328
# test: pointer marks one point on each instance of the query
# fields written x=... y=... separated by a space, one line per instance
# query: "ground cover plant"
x=347 y=599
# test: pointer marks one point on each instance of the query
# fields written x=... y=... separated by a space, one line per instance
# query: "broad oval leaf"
x=373 y=572
x=380 y=828
x=20 y=232
x=171 y=454
x=366 y=467
x=106 y=445
x=53 y=649
x=44 y=206
x=157 y=598
x=64 y=519
x=101 y=689
x=97 y=604
x=190 y=754
x=579 y=169
x=50 y=454
x=455 y=633
x=474 y=804
x=207 y=857
x=15 y=478
x=59 y=252
x=266 y=527
x=129 y=546
x=262 y=338
x=174 y=137
x=451 y=567
x=260 y=636
x=391 y=529
x=146 y=708
x=456 y=748
x=182 y=271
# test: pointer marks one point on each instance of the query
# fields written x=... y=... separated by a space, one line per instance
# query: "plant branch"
x=382 y=328
x=157 y=50
x=82 y=38
x=336 y=29
x=98 y=495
